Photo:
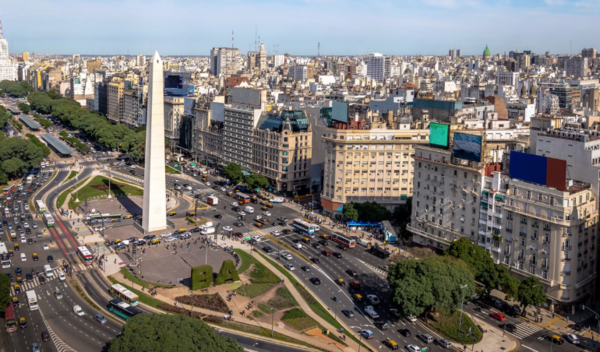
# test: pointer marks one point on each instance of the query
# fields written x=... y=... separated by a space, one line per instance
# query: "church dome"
x=486 y=52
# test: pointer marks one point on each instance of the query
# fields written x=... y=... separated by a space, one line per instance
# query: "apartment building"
x=369 y=164
x=115 y=100
x=134 y=100
x=446 y=198
x=282 y=151
x=209 y=129
x=174 y=111
x=240 y=119
x=298 y=73
x=224 y=61
x=378 y=67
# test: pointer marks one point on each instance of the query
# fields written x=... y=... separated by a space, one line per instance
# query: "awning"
x=403 y=197
x=485 y=191
x=499 y=196
x=363 y=223
x=485 y=205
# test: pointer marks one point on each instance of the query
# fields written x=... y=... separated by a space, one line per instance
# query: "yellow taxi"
x=172 y=213
x=35 y=256
x=15 y=300
x=128 y=216
x=16 y=246
x=118 y=240
x=556 y=339
x=258 y=224
x=155 y=241
x=191 y=213
x=340 y=282
x=237 y=191
x=22 y=322
x=391 y=344
x=306 y=240
x=17 y=288
x=357 y=297
x=325 y=237
x=181 y=230
x=264 y=208
x=11 y=253
x=13 y=237
x=262 y=202
x=270 y=205
x=229 y=193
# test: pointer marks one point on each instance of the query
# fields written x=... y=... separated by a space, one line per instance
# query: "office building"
x=298 y=73
x=174 y=111
x=224 y=61
x=115 y=100
x=378 y=67
x=577 y=67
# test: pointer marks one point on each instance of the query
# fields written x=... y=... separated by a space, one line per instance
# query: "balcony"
x=522 y=259
x=566 y=259
x=498 y=215
x=523 y=234
x=545 y=266
x=509 y=230
x=565 y=273
x=566 y=248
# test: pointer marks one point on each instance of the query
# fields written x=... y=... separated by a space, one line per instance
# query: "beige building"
x=208 y=131
x=173 y=115
x=282 y=151
x=369 y=165
x=115 y=100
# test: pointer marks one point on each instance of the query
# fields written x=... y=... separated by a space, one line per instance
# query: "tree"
x=233 y=171
x=4 y=292
x=16 y=89
x=420 y=286
x=165 y=332
x=3 y=117
x=509 y=283
x=3 y=178
x=371 y=211
x=202 y=277
x=402 y=216
x=531 y=292
x=13 y=166
x=227 y=272
x=350 y=212
x=24 y=107
x=257 y=181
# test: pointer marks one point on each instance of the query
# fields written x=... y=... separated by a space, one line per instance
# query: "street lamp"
x=272 y=320
x=462 y=287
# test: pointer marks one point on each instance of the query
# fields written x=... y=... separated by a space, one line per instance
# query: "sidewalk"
x=493 y=338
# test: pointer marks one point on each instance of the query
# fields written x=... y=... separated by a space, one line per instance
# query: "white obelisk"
x=155 y=199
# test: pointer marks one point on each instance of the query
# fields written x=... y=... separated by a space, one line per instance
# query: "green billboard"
x=439 y=135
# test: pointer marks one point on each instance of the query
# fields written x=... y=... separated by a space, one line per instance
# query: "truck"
x=212 y=200
x=32 y=300
x=29 y=179
x=277 y=200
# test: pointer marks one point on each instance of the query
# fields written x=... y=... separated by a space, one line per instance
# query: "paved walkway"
x=493 y=339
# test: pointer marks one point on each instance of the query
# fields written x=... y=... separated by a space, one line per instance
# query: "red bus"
x=9 y=318
x=85 y=255
x=242 y=198
x=9 y=189
x=343 y=240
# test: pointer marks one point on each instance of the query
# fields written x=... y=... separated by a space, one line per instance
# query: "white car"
x=286 y=255
x=257 y=238
x=241 y=213
x=373 y=299
x=26 y=206
x=235 y=204
x=77 y=310
x=208 y=183
x=132 y=166
x=275 y=233
x=412 y=318
x=26 y=225
x=266 y=213
x=413 y=348
x=227 y=228
x=23 y=239
x=290 y=266
x=371 y=312
x=223 y=189
x=45 y=246
x=166 y=234
x=170 y=239
x=573 y=339
x=61 y=276
x=297 y=245
x=98 y=228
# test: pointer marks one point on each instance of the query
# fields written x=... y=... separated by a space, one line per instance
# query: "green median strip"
x=63 y=196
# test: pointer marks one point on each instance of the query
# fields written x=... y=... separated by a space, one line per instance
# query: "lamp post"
x=272 y=320
x=462 y=287
x=109 y=196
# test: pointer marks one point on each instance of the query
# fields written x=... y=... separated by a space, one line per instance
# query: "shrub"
x=213 y=302
x=227 y=273
x=202 y=277
x=283 y=299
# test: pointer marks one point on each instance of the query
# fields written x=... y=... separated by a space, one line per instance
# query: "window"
x=284 y=168
x=285 y=139
x=285 y=153
x=285 y=160
x=465 y=174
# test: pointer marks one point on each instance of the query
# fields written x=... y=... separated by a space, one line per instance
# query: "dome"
x=486 y=52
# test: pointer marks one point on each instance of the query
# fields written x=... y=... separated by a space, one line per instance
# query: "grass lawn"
x=257 y=313
x=71 y=175
x=266 y=332
x=98 y=188
x=253 y=290
x=265 y=308
x=446 y=323
x=261 y=278
x=143 y=297
x=314 y=305
x=141 y=282
x=63 y=196
x=283 y=299
x=247 y=260
x=298 y=319
x=171 y=170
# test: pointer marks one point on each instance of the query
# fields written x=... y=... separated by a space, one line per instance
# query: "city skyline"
x=186 y=28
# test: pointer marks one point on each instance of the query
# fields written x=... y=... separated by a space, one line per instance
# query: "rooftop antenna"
x=231 y=39
x=319 y=50
x=255 y=35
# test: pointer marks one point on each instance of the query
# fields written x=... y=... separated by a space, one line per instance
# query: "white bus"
x=48 y=219
x=120 y=292
x=41 y=207
x=305 y=226
x=4 y=258
x=32 y=300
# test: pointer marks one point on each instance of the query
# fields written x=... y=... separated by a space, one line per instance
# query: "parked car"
x=498 y=316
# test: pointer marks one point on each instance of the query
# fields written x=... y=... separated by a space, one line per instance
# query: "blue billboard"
x=467 y=146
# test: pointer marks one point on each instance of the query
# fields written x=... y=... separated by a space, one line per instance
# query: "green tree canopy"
x=371 y=211
x=165 y=332
x=4 y=292
x=350 y=212
x=402 y=216
x=3 y=117
x=420 y=286
x=16 y=89
x=257 y=181
x=531 y=292
x=233 y=171
x=24 y=107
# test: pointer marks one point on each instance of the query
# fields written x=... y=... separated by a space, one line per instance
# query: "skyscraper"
x=155 y=202
x=7 y=70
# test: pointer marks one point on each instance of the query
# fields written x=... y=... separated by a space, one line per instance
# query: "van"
x=208 y=224
x=23 y=257
x=426 y=338
x=363 y=242
x=48 y=271
x=249 y=210
x=208 y=231
x=444 y=343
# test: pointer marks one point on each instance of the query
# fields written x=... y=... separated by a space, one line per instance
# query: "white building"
x=7 y=70
x=278 y=60
x=298 y=73
x=507 y=78
x=377 y=67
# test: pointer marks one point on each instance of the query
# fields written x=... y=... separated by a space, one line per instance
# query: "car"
x=337 y=254
x=371 y=312
x=19 y=280
x=305 y=268
x=572 y=339
x=384 y=268
x=315 y=280
x=555 y=339
x=18 y=271
x=275 y=233
x=50 y=259
x=35 y=257
x=34 y=225
x=26 y=225
x=413 y=348
x=61 y=276
x=315 y=260
x=22 y=322
x=227 y=228
x=508 y=327
x=297 y=245
x=498 y=316
x=381 y=325
x=326 y=253
x=373 y=299
x=42 y=280
x=315 y=245
x=235 y=204
x=391 y=344
x=100 y=318
x=241 y=213
x=290 y=266
x=77 y=310
x=411 y=318
x=208 y=184
x=266 y=213
x=352 y=273
x=29 y=276
x=323 y=243
x=23 y=239
x=58 y=294
x=286 y=231
x=268 y=249
x=348 y=313
x=404 y=332
x=366 y=333
x=45 y=336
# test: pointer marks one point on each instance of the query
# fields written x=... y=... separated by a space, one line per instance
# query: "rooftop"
x=30 y=123
x=56 y=144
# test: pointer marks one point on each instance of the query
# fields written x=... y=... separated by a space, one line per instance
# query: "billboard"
x=467 y=146
x=538 y=169
x=439 y=135
x=340 y=111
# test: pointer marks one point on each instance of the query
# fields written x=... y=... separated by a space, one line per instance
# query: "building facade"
x=115 y=100
x=224 y=61
x=174 y=111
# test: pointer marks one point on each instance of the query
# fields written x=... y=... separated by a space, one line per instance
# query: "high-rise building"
x=115 y=100
x=224 y=61
x=298 y=73
x=25 y=56
x=577 y=67
x=278 y=60
x=378 y=67
x=507 y=78
x=261 y=59
x=7 y=70
x=588 y=53
x=140 y=60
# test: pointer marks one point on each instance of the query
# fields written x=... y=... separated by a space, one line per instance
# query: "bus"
x=4 y=258
x=305 y=227
x=120 y=292
x=242 y=198
x=122 y=309
x=48 y=219
x=10 y=322
x=9 y=189
x=41 y=207
x=100 y=218
x=343 y=240
x=85 y=255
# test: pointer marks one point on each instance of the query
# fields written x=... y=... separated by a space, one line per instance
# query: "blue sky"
x=343 y=27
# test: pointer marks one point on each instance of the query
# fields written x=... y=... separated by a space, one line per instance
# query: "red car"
x=498 y=316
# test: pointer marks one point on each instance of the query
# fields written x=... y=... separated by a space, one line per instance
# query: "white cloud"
x=554 y=2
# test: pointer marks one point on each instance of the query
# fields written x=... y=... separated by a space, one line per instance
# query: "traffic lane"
x=252 y=344
x=328 y=288
x=58 y=179
x=51 y=199
x=25 y=337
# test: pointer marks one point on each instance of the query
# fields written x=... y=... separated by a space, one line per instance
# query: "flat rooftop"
x=32 y=124
x=57 y=145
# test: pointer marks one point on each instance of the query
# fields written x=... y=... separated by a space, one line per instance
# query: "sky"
x=342 y=27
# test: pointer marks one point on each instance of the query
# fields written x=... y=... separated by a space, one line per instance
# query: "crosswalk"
x=525 y=329
x=29 y=285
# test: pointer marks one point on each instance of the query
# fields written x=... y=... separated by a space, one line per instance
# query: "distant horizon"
x=395 y=28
